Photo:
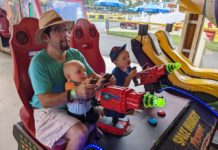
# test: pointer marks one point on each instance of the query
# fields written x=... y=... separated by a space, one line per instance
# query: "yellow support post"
x=216 y=37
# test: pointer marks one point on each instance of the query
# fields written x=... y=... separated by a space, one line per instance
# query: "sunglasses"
x=59 y=29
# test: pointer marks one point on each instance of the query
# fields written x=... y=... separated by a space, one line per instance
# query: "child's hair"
x=68 y=65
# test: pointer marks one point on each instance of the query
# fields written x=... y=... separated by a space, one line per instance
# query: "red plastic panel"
x=23 y=47
x=85 y=38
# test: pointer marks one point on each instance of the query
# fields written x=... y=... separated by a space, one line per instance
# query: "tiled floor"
x=9 y=103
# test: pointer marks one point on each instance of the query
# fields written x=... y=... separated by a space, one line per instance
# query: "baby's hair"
x=69 y=64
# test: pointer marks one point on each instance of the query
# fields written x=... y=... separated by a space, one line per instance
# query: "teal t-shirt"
x=46 y=74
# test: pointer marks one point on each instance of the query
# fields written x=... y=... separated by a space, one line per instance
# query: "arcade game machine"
x=147 y=47
x=13 y=15
x=154 y=53
x=4 y=31
x=183 y=121
x=205 y=8
x=148 y=52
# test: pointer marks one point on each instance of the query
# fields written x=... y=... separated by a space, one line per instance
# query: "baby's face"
x=78 y=73
x=123 y=60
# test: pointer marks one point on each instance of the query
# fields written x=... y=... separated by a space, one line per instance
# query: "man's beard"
x=64 y=45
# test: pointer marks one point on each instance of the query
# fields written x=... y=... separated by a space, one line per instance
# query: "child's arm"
x=128 y=79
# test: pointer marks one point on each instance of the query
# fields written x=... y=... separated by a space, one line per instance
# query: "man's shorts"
x=52 y=124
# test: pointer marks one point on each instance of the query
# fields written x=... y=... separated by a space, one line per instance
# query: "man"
x=52 y=123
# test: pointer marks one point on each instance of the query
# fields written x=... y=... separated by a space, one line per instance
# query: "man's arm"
x=83 y=91
x=49 y=100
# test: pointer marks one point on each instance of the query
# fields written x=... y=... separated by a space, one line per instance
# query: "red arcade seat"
x=23 y=47
x=85 y=38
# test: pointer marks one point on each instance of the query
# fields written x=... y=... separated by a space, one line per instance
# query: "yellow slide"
x=196 y=86
x=188 y=68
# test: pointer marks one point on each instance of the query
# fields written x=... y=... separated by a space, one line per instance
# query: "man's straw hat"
x=48 y=19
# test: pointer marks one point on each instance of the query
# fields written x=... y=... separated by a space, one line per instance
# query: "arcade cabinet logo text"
x=185 y=132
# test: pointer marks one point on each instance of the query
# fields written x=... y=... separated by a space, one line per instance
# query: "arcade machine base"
x=186 y=125
x=116 y=131
x=24 y=140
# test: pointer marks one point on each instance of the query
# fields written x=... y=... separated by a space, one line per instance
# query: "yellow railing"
x=98 y=16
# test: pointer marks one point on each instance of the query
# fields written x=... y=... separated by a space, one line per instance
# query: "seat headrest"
x=155 y=44
x=170 y=40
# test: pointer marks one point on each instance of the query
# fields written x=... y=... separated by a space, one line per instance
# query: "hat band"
x=52 y=21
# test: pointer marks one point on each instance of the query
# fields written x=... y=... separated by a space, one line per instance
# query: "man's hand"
x=105 y=80
x=86 y=90
x=112 y=81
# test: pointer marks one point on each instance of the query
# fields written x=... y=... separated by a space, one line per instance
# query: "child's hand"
x=109 y=79
x=132 y=73
x=112 y=81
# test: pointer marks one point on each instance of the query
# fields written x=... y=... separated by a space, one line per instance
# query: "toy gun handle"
x=93 y=81
x=136 y=82
x=107 y=77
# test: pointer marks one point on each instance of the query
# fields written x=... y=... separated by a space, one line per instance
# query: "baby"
x=75 y=73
